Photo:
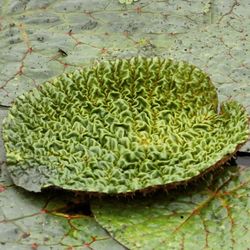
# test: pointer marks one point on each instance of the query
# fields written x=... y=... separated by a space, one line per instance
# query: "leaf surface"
x=212 y=35
x=50 y=220
x=212 y=215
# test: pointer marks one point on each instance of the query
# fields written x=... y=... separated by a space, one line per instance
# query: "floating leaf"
x=50 y=220
x=207 y=33
x=116 y=128
x=212 y=215
x=210 y=34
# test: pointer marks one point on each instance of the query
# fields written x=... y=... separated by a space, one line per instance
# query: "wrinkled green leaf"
x=113 y=128
x=47 y=220
x=215 y=214
x=50 y=220
x=209 y=34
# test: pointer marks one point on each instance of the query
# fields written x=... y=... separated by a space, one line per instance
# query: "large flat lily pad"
x=214 y=214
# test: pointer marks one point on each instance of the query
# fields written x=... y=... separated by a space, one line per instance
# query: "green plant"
x=208 y=34
x=127 y=1
x=121 y=126
x=213 y=214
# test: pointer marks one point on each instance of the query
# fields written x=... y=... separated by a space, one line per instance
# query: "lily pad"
x=49 y=220
x=214 y=214
x=207 y=33
x=210 y=34
x=121 y=126
x=42 y=39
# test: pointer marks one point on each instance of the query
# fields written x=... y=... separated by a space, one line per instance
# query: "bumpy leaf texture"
x=47 y=221
x=209 y=34
x=121 y=126
x=212 y=215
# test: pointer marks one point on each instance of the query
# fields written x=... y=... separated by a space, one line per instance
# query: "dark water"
x=243 y=158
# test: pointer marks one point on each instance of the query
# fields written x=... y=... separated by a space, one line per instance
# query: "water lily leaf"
x=42 y=39
x=115 y=128
x=207 y=33
x=50 y=220
x=215 y=214
x=210 y=34
x=29 y=220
